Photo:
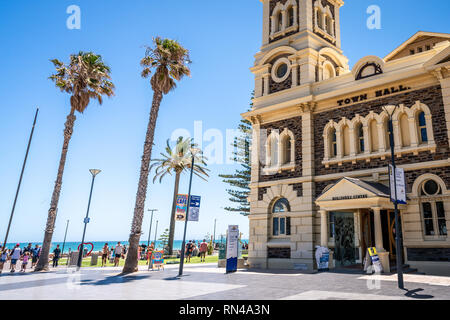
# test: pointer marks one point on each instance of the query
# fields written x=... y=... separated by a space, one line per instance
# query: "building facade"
x=321 y=149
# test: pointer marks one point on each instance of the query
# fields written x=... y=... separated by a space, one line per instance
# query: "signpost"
x=157 y=259
x=375 y=260
x=232 y=248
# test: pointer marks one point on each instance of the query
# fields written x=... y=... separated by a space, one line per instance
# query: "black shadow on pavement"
x=120 y=278
x=413 y=294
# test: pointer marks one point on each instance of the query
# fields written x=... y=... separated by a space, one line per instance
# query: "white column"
x=323 y=228
x=378 y=229
x=294 y=68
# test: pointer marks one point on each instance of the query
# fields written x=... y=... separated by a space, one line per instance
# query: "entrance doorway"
x=344 y=228
x=388 y=226
x=367 y=231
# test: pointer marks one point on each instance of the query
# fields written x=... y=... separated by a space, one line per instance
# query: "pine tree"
x=240 y=180
x=164 y=238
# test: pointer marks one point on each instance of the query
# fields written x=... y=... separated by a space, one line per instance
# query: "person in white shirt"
x=118 y=253
x=15 y=255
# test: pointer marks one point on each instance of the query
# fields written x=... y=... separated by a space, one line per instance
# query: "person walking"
x=189 y=249
x=15 y=255
x=111 y=255
x=3 y=258
x=105 y=253
x=203 y=250
x=56 y=256
x=25 y=259
x=117 y=254
x=35 y=255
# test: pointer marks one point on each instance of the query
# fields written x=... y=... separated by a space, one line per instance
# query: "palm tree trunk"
x=46 y=245
x=136 y=226
x=172 y=216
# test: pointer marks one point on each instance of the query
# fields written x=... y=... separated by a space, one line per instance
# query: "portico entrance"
x=356 y=215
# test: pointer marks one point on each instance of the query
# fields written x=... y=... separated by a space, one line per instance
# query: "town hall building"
x=321 y=149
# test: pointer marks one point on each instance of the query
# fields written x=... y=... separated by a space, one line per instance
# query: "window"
x=331 y=223
x=433 y=212
x=333 y=143
x=428 y=47
x=280 y=21
x=281 y=224
x=291 y=14
x=319 y=19
x=360 y=138
x=287 y=150
x=329 y=26
x=422 y=128
x=419 y=49
x=411 y=52
x=273 y=151
x=282 y=70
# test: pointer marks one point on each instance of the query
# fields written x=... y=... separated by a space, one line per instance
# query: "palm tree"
x=170 y=60
x=86 y=77
x=177 y=160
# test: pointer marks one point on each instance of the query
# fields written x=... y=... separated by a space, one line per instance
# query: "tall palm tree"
x=86 y=77
x=178 y=160
x=170 y=60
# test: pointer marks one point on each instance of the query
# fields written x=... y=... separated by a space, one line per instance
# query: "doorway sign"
x=232 y=248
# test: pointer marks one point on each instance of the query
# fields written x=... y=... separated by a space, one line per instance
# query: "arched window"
x=333 y=143
x=387 y=134
x=281 y=223
x=404 y=129
x=328 y=71
x=319 y=18
x=432 y=207
x=422 y=127
x=280 y=21
x=360 y=131
x=290 y=13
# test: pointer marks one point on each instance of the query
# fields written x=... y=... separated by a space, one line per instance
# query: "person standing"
x=118 y=253
x=203 y=250
x=35 y=255
x=56 y=256
x=15 y=255
x=3 y=258
x=25 y=258
x=189 y=249
x=105 y=253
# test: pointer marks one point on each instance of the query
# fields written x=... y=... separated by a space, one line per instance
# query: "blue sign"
x=194 y=208
x=232 y=248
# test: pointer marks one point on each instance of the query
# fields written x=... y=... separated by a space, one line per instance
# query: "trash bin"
x=73 y=259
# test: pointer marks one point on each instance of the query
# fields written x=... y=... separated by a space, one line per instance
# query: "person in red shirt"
x=203 y=249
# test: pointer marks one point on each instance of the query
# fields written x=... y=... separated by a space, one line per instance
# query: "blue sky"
x=222 y=37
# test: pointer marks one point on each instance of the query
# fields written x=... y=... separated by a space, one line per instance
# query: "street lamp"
x=65 y=235
x=390 y=110
x=150 y=231
x=194 y=152
x=94 y=172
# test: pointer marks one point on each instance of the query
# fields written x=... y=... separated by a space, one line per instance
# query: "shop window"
x=433 y=212
x=281 y=223
x=422 y=126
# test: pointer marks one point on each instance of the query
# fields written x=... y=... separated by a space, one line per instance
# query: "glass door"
x=344 y=225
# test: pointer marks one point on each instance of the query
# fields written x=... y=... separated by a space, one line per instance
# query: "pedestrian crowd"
x=18 y=254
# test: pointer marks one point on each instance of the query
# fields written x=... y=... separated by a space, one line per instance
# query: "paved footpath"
x=206 y=281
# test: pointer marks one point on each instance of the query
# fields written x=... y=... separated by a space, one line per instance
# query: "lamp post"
x=94 y=172
x=156 y=231
x=65 y=235
x=398 y=243
x=214 y=237
x=150 y=231
x=193 y=151
x=20 y=179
